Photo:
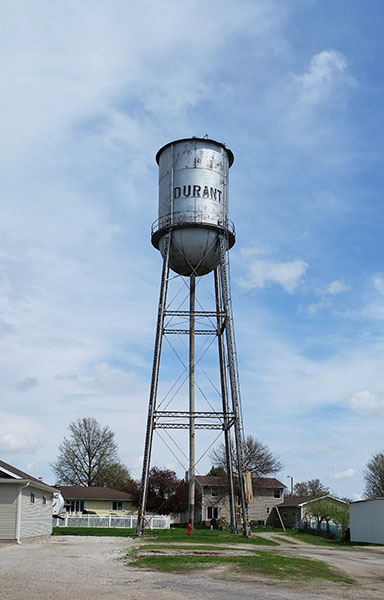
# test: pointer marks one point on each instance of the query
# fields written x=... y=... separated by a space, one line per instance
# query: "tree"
x=312 y=488
x=257 y=458
x=321 y=510
x=216 y=472
x=166 y=493
x=114 y=475
x=374 y=476
x=86 y=454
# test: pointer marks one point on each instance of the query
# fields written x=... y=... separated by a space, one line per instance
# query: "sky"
x=91 y=90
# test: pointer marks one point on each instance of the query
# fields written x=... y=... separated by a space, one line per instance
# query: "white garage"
x=25 y=505
x=367 y=521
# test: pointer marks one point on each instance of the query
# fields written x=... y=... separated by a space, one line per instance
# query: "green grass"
x=93 y=531
x=317 y=540
x=266 y=563
x=205 y=536
x=167 y=535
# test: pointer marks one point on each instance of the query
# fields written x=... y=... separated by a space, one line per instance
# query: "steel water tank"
x=193 y=203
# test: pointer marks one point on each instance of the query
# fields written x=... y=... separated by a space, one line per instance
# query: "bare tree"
x=312 y=488
x=374 y=476
x=258 y=458
x=85 y=454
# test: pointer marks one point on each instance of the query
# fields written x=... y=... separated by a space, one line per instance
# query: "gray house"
x=268 y=492
x=25 y=505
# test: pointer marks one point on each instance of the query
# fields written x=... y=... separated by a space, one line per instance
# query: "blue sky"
x=91 y=91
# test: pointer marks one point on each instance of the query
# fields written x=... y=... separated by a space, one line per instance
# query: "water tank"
x=193 y=203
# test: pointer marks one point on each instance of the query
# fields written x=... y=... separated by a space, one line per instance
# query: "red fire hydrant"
x=189 y=529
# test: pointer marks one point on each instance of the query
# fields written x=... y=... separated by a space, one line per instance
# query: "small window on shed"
x=277 y=493
x=285 y=515
x=33 y=498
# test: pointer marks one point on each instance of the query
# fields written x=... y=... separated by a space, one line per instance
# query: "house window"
x=276 y=493
x=117 y=505
x=212 y=512
x=45 y=500
x=285 y=515
x=214 y=491
x=74 y=506
x=33 y=498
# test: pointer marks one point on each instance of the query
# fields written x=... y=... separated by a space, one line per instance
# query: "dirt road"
x=91 y=568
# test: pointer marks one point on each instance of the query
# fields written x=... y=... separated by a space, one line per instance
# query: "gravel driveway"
x=92 y=568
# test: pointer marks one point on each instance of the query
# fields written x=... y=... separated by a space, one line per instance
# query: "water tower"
x=194 y=235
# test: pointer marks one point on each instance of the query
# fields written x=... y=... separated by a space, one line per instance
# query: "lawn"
x=172 y=535
x=255 y=562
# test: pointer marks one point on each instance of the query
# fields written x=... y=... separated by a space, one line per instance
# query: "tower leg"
x=153 y=390
x=192 y=459
x=224 y=396
x=233 y=380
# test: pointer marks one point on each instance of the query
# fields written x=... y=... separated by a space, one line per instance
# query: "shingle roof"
x=16 y=472
x=77 y=492
x=294 y=500
x=258 y=482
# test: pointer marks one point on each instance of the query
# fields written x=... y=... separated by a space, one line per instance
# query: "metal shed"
x=367 y=521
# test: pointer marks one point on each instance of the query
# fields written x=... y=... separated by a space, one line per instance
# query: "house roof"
x=9 y=473
x=258 y=482
x=302 y=500
x=77 y=492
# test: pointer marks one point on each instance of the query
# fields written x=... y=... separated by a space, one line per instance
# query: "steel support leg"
x=233 y=380
x=153 y=390
x=192 y=459
x=224 y=396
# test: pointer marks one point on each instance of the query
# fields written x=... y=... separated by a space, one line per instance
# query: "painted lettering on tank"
x=197 y=191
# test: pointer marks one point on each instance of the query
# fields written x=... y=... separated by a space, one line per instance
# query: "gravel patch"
x=93 y=568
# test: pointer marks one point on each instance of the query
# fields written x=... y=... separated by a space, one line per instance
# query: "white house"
x=367 y=521
x=25 y=505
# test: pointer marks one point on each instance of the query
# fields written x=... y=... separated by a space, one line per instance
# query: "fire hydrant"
x=189 y=529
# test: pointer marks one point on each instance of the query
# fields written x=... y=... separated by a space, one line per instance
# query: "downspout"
x=18 y=512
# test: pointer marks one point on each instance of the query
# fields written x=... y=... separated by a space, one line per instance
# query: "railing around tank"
x=195 y=217
x=127 y=521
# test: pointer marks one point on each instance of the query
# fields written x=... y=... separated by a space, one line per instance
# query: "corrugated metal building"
x=367 y=521
x=25 y=505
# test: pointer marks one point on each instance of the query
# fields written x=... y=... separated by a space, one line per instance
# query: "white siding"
x=367 y=521
x=8 y=504
x=36 y=518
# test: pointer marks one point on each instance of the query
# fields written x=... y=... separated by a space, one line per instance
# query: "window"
x=214 y=491
x=212 y=512
x=276 y=493
x=33 y=498
x=285 y=515
x=117 y=505
x=74 y=506
x=44 y=500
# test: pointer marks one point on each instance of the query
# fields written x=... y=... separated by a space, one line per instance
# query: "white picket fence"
x=129 y=521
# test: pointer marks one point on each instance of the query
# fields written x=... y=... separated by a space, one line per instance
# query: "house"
x=101 y=500
x=267 y=493
x=367 y=521
x=295 y=510
x=25 y=505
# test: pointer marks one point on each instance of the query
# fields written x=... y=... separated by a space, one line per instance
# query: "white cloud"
x=337 y=287
x=18 y=434
x=366 y=401
x=261 y=271
x=344 y=474
x=316 y=84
